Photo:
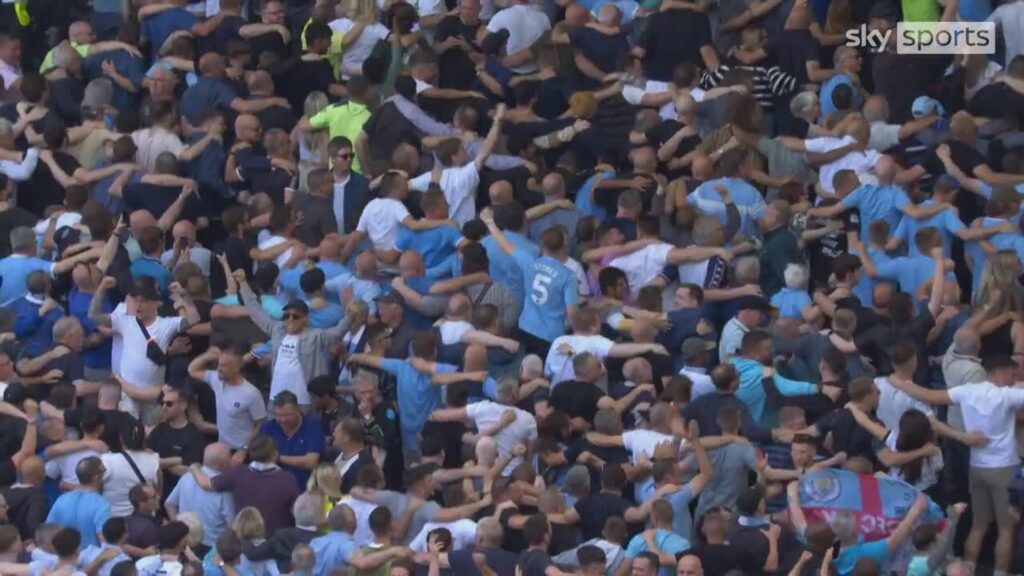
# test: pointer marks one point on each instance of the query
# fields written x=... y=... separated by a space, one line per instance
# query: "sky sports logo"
x=928 y=38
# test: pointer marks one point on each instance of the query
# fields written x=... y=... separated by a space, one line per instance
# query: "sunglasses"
x=168 y=403
x=293 y=316
x=345 y=156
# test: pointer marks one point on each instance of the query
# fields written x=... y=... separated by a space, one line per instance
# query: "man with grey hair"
x=488 y=542
x=65 y=357
x=291 y=544
x=216 y=510
x=595 y=52
x=885 y=135
x=334 y=548
x=961 y=365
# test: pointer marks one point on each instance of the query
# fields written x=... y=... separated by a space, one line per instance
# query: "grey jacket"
x=957 y=370
x=314 y=343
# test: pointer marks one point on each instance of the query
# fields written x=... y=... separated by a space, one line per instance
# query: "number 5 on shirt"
x=540 y=289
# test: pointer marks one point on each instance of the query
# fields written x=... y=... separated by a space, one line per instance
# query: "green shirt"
x=382 y=570
x=82 y=49
x=920 y=11
x=342 y=120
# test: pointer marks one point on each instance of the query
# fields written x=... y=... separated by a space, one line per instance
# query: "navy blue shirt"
x=206 y=93
x=159 y=27
x=308 y=439
x=127 y=65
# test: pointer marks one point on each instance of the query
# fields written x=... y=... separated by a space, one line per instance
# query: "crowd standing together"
x=509 y=287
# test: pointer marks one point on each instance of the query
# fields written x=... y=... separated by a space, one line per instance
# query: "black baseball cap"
x=749 y=500
x=753 y=303
x=145 y=288
x=298 y=306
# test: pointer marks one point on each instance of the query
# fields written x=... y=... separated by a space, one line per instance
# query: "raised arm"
x=252 y=305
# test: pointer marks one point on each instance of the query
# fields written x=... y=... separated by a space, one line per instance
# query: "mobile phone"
x=835 y=548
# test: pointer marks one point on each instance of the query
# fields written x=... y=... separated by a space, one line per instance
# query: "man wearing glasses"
x=351 y=189
x=301 y=353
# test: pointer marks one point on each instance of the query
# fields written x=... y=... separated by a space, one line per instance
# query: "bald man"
x=216 y=510
x=80 y=37
x=261 y=86
x=186 y=249
x=212 y=91
x=26 y=502
x=689 y=565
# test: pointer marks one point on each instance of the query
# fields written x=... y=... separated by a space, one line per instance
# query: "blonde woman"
x=312 y=145
x=998 y=316
x=325 y=481
x=361 y=30
x=252 y=531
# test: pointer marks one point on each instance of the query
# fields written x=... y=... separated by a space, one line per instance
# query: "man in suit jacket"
x=351 y=189
x=308 y=511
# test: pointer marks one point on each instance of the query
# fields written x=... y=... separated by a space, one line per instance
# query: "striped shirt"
x=769 y=82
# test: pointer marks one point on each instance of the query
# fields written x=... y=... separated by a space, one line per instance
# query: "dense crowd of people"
x=509 y=287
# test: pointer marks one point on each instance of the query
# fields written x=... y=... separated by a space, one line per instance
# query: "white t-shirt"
x=893 y=402
x=643 y=265
x=119 y=478
x=362 y=509
x=581 y=277
x=135 y=367
x=525 y=25
x=288 y=371
x=523 y=431
x=283 y=257
x=859 y=162
x=463 y=534
x=63 y=467
x=991 y=410
x=643 y=442
x=459 y=184
x=931 y=467
x=883 y=136
x=701 y=382
x=239 y=407
x=452 y=331
x=380 y=221
x=359 y=50
x=558 y=366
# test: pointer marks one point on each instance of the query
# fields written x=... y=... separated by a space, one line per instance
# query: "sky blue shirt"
x=682 y=522
x=417 y=396
x=748 y=201
x=946 y=222
x=503 y=268
x=791 y=301
x=216 y=510
x=668 y=542
x=270 y=304
x=435 y=245
x=877 y=203
x=84 y=511
x=751 y=389
x=365 y=290
x=827 y=107
x=14 y=269
x=552 y=287
x=1000 y=241
x=911 y=272
x=332 y=551
x=325 y=317
x=150 y=266
x=848 y=556
x=288 y=280
x=864 y=289
x=308 y=439
x=90 y=553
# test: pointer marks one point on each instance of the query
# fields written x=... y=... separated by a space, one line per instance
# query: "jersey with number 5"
x=550 y=288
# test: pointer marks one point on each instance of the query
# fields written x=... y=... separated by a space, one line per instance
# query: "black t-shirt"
x=157 y=199
x=534 y=562
x=387 y=128
x=608 y=198
x=847 y=435
x=45 y=190
x=875 y=342
x=66 y=95
x=577 y=399
x=279 y=117
x=455 y=68
x=304 y=77
x=717 y=559
x=501 y=562
x=596 y=509
x=217 y=40
x=13 y=217
x=823 y=251
x=70 y=364
x=997 y=100
x=967 y=158
x=237 y=252
x=602 y=50
x=673 y=37
x=901 y=78
x=186 y=442
x=268 y=42
x=792 y=49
